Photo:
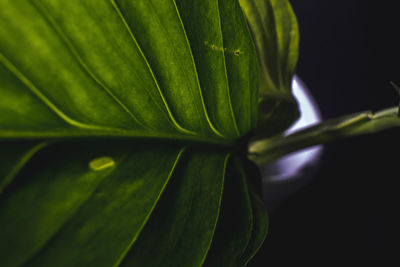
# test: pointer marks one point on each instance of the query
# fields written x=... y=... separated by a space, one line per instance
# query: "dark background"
x=348 y=55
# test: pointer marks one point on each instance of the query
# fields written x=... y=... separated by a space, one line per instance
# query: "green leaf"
x=243 y=222
x=260 y=228
x=226 y=61
x=124 y=126
x=260 y=217
x=268 y=150
x=275 y=33
x=14 y=157
x=236 y=220
x=113 y=69
x=60 y=208
x=117 y=119
x=276 y=113
x=180 y=230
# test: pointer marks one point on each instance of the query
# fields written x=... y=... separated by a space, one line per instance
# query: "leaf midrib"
x=84 y=130
x=121 y=134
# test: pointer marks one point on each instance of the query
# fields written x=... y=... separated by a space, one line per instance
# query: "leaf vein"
x=125 y=252
x=44 y=99
x=219 y=208
x=64 y=224
x=228 y=93
x=128 y=28
x=197 y=75
x=256 y=15
x=20 y=164
x=53 y=24
x=112 y=134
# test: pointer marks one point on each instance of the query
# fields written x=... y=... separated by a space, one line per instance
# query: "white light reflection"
x=299 y=163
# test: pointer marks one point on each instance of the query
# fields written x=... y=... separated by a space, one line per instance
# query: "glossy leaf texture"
x=60 y=212
x=243 y=222
x=275 y=32
x=126 y=68
x=118 y=122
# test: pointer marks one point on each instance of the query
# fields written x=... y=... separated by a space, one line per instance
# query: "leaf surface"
x=103 y=105
x=235 y=224
x=13 y=159
x=226 y=61
x=66 y=207
x=124 y=68
x=181 y=228
x=118 y=119
x=260 y=228
x=275 y=34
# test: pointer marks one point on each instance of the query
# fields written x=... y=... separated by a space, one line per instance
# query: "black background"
x=348 y=55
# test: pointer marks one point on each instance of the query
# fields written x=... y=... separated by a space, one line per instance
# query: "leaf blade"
x=210 y=63
x=275 y=32
x=75 y=90
x=13 y=157
x=183 y=232
x=260 y=228
x=235 y=223
x=93 y=70
x=76 y=232
x=276 y=37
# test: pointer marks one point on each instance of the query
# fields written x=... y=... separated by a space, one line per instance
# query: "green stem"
x=267 y=150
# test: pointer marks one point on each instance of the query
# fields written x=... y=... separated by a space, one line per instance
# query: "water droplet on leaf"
x=101 y=163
